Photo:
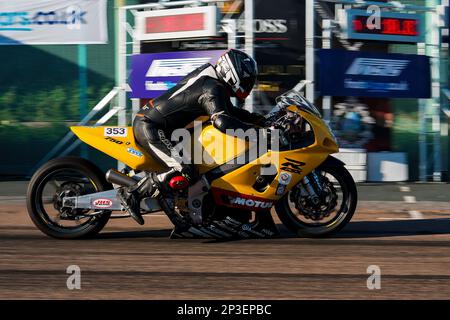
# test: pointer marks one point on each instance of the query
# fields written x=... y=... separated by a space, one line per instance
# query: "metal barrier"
x=65 y=140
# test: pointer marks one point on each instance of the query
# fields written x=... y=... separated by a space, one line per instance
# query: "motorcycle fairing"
x=297 y=163
x=123 y=148
x=213 y=151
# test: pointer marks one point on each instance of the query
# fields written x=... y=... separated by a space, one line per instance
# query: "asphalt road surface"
x=406 y=238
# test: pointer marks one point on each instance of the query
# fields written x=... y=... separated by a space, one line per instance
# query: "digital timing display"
x=387 y=26
x=175 y=23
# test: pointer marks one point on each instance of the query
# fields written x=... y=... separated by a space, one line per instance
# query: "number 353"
x=115 y=132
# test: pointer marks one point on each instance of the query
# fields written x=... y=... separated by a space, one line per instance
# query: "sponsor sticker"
x=135 y=152
x=284 y=178
x=280 y=189
x=245 y=202
x=102 y=203
x=114 y=140
x=115 y=132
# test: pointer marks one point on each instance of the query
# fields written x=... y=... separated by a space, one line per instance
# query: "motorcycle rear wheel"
x=292 y=216
x=71 y=176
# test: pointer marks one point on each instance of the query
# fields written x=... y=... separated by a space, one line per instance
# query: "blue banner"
x=154 y=73
x=363 y=74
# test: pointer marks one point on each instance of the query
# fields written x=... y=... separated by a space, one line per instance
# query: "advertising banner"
x=363 y=74
x=53 y=22
x=154 y=73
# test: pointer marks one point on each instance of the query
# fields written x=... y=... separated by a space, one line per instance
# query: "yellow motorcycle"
x=311 y=192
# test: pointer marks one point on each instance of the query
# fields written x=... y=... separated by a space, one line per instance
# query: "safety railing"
x=63 y=147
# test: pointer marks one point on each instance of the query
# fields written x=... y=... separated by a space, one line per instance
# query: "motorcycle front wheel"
x=331 y=214
x=66 y=177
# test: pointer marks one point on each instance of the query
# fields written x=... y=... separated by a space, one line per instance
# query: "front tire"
x=70 y=176
x=292 y=216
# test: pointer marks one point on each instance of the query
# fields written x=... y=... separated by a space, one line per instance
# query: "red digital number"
x=389 y=26
x=410 y=27
x=401 y=27
x=358 y=25
x=176 y=23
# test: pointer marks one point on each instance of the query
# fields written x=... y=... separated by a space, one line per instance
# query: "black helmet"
x=238 y=70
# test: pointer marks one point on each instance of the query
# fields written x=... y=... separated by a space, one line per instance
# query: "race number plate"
x=115 y=132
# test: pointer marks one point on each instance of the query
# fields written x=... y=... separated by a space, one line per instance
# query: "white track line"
x=405 y=189
x=409 y=199
x=414 y=214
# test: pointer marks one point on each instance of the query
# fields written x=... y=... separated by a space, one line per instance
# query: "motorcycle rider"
x=205 y=91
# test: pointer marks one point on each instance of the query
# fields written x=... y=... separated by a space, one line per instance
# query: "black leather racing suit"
x=200 y=93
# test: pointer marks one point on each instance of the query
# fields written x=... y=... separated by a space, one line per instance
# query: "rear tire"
x=35 y=204
x=344 y=215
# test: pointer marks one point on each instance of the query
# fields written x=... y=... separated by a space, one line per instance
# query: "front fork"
x=312 y=187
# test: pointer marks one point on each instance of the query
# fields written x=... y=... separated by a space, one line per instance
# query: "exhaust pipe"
x=116 y=177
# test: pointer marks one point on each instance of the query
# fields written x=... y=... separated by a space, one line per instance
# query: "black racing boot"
x=131 y=197
x=131 y=203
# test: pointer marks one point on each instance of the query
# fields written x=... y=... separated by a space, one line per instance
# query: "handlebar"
x=297 y=88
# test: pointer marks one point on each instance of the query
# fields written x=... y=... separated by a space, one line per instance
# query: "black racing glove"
x=259 y=120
